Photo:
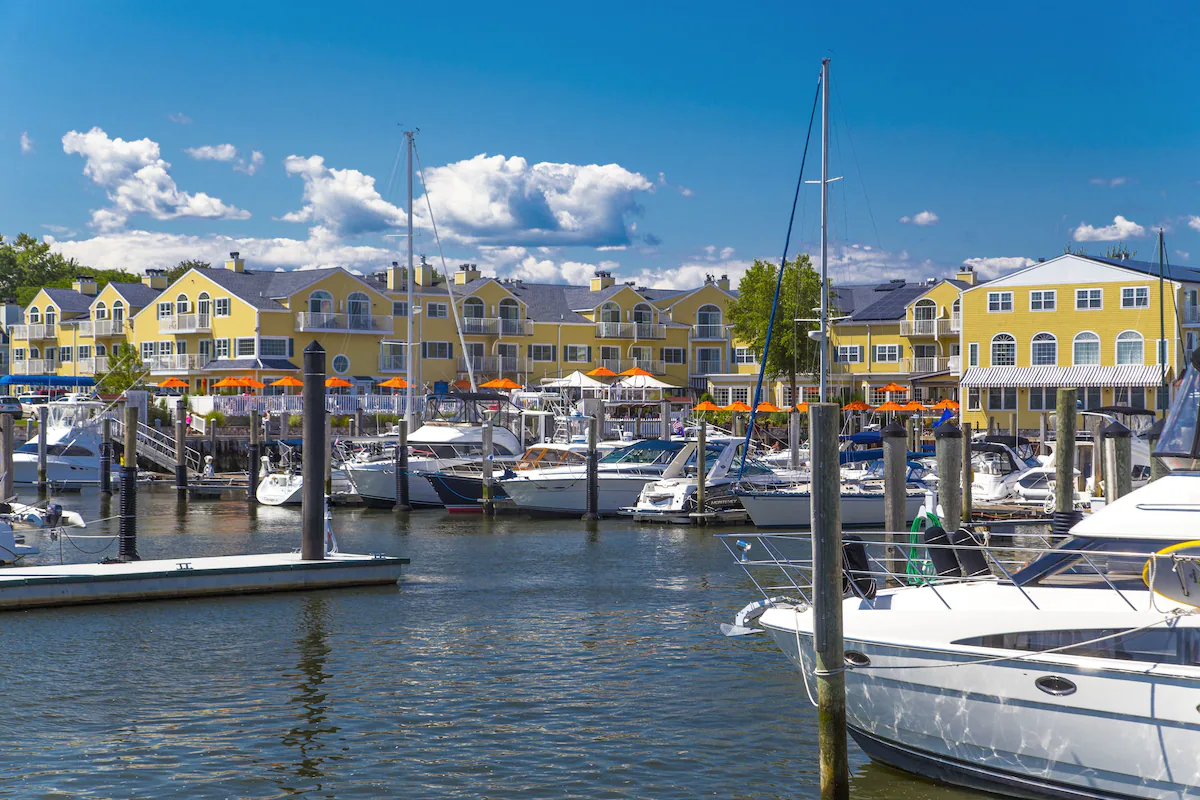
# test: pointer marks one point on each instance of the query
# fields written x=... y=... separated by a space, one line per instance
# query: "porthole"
x=1052 y=684
x=857 y=659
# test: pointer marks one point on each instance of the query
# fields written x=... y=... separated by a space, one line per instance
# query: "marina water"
x=516 y=659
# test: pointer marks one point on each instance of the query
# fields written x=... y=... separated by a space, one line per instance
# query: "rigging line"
x=462 y=342
x=1175 y=306
x=395 y=169
x=778 y=285
x=862 y=181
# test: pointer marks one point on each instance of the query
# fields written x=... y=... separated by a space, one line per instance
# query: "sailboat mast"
x=1162 y=326
x=824 y=340
x=410 y=358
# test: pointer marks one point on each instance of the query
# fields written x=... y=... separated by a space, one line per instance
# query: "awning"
x=45 y=380
x=1126 y=376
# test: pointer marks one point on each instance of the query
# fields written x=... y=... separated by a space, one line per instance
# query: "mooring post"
x=402 y=503
x=1042 y=431
x=284 y=426
x=1013 y=430
x=1118 y=452
x=1157 y=467
x=991 y=426
x=826 y=516
x=701 y=471
x=664 y=410
x=485 y=470
x=252 y=457
x=1065 y=515
x=43 y=483
x=7 y=445
x=327 y=454
x=358 y=421
x=895 y=492
x=909 y=433
x=1099 y=462
x=315 y=425
x=948 y=444
x=127 y=524
x=181 y=477
x=794 y=439
x=967 y=501
x=592 y=508
x=106 y=450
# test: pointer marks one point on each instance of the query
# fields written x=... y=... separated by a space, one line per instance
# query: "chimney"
x=235 y=262
x=966 y=274
x=723 y=283
x=601 y=280
x=466 y=273
x=84 y=284
x=423 y=273
x=155 y=279
x=397 y=277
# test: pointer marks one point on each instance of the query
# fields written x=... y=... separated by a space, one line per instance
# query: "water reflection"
x=310 y=701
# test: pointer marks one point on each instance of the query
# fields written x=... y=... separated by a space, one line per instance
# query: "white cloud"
x=1111 y=182
x=212 y=152
x=1194 y=222
x=137 y=181
x=1120 y=229
x=499 y=200
x=1183 y=254
x=179 y=118
x=251 y=165
x=26 y=143
x=994 y=267
x=922 y=218
x=138 y=250
x=726 y=253
x=689 y=275
x=343 y=202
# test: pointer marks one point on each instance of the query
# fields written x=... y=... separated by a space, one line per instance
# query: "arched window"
x=509 y=309
x=708 y=322
x=35 y=316
x=358 y=306
x=203 y=304
x=610 y=312
x=1043 y=350
x=1004 y=350
x=472 y=308
x=101 y=311
x=118 y=311
x=643 y=314
x=1086 y=349
x=925 y=309
x=1130 y=348
x=182 y=304
x=320 y=302
x=51 y=316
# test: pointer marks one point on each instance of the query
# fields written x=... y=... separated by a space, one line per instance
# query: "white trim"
x=1117 y=346
x=1043 y=293
x=1088 y=307
x=1033 y=340
x=1134 y=290
x=1012 y=301
x=992 y=349
x=1099 y=348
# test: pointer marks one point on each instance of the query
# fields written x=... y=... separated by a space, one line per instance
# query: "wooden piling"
x=592 y=490
x=106 y=450
x=8 y=443
x=665 y=420
x=1064 y=460
x=284 y=426
x=1118 y=453
x=1099 y=465
x=826 y=516
x=485 y=473
x=127 y=523
x=701 y=470
x=948 y=445
x=402 y=503
x=968 y=503
x=181 y=476
x=358 y=421
x=1013 y=430
x=252 y=458
x=895 y=491
x=316 y=455
x=794 y=439
x=43 y=484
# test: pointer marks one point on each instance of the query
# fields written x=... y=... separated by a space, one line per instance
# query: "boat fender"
x=970 y=556
x=856 y=576
x=944 y=562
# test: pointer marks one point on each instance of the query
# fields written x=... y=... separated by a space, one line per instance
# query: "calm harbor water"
x=517 y=659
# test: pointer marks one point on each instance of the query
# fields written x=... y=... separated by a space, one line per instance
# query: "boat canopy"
x=46 y=380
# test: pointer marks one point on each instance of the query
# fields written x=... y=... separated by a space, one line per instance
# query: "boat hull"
x=566 y=496
x=793 y=509
x=376 y=485
x=62 y=473
x=464 y=493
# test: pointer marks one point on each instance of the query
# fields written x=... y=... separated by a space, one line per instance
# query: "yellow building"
x=1088 y=322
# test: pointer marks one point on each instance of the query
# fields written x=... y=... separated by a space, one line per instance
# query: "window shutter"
x=424 y=349
x=291 y=347
x=529 y=352
x=449 y=349
x=554 y=352
x=589 y=355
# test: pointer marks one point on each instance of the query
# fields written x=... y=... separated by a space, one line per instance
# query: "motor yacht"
x=72 y=448
x=1066 y=671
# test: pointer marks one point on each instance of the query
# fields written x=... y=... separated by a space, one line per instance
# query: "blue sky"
x=1019 y=130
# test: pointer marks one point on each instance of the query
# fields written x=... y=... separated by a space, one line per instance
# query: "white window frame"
x=992 y=349
x=1134 y=290
x=237 y=347
x=1044 y=296
x=847 y=354
x=165 y=309
x=1042 y=392
x=264 y=339
x=548 y=352
x=998 y=299
x=570 y=351
x=441 y=347
x=678 y=355
x=437 y=310
x=1117 y=348
x=1099 y=349
x=974 y=399
x=399 y=308
x=741 y=393
x=744 y=355
x=1004 y=396
x=1033 y=343
x=334 y=361
x=222 y=307
x=972 y=354
x=65 y=354
x=1086 y=295
x=890 y=350
x=222 y=348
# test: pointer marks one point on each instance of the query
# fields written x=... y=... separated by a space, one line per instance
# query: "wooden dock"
x=169 y=579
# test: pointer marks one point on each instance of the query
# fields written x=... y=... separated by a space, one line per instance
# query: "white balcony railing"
x=481 y=326
x=495 y=365
x=185 y=323
x=176 y=363
x=708 y=331
x=955 y=323
x=707 y=367
x=1191 y=315
x=918 y=327
x=615 y=330
x=109 y=327
x=310 y=321
x=92 y=366
x=35 y=332
x=33 y=366
x=516 y=327
x=619 y=365
x=86 y=328
x=393 y=362
x=930 y=364
x=650 y=330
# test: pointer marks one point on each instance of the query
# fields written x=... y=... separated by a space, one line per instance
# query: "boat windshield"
x=651 y=451
x=1102 y=562
x=1180 y=645
x=72 y=450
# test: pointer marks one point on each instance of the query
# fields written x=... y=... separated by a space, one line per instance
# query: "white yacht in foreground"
x=1072 y=674
x=72 y=448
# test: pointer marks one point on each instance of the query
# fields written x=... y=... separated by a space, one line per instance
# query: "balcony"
x=164 y=365
x=85 y=328
x=619 y=365
x=708 y=367
x=481 y=326
x=185 y=323
x=92 y=366
x=708 y=332
x=33 y=333
x=315 y=322
x=33 y=366
x=921 y=366
x=1191 y=315
x=109 y=327
x=396 y=362
x=615 y=330
x=516 y=327
x=930 y=327
x=955 y=323
x=495 y=365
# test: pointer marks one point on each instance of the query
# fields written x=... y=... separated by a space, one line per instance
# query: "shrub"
x=341 y=421
x=215 y=417
x=294 y=420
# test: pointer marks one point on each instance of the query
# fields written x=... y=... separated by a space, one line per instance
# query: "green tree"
x=792 y=351
x=125 y=370
x=27 y=266
x=179 y=270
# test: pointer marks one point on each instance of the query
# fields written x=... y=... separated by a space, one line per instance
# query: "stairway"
x=157 y=447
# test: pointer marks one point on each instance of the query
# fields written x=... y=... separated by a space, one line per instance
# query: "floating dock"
x=168 y=579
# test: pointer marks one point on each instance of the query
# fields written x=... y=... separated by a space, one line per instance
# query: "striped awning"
x=1126 y=376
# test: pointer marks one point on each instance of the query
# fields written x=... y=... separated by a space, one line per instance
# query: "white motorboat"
x=72 y=448
x=451 y=435
x=1073 y=676
x=562 y=491
x=790 y=507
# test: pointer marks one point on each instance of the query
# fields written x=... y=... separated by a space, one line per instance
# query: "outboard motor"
x=944 y=562
x=53 y=516
x=856 y=576
x=970 y=556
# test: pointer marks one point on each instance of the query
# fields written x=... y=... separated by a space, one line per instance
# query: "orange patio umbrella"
x=462 y=384
x=802 y=407
x=894 y=387
x=855 y=405
x=173 y=383
x=736 y=405
x=944 y=404
x=501 y=383
x=890 y=406
x=340 y=383
x=288 y=382
x=601 y=372
x=394 y=383
x=227 y=383
x=767 y=408
x=913 y=405
x=707 y=405
x=251 y=383
x=634 y=372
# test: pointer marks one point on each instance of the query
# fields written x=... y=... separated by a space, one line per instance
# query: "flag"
x=947 y=414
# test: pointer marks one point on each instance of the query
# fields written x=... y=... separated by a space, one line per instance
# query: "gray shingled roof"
x=249 y=363
x=69 y=301
x=261 y=289
x=138 y=295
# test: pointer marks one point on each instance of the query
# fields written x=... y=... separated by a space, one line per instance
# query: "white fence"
x=244 y=405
